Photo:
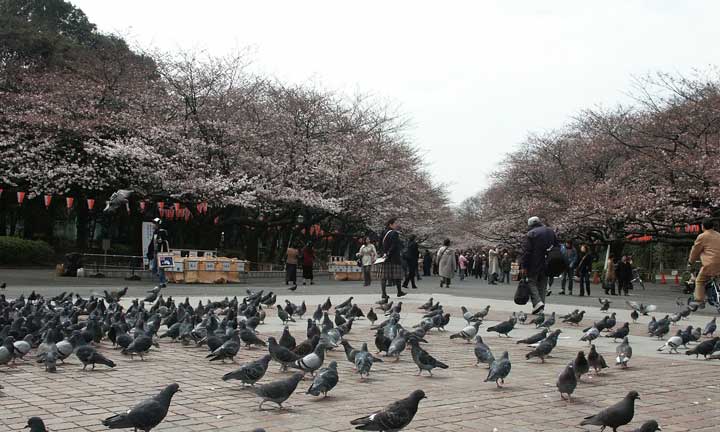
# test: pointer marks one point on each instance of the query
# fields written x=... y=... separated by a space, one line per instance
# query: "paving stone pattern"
x=682 y=394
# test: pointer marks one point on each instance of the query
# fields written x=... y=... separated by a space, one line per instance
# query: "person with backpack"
x=540 y=241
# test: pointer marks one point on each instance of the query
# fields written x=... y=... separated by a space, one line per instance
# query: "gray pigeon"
x=36 y=424
x=283 y=316
x=620 y=333
x=395 y=417
x=499 y=369
x=483 y=354
x=350 y=352
x=503 y=327
x=423 y=360
x=537 y=337
x=581 y=366
x=596 y=360
x=281 y=354
x=590 y=335
x=325 y=380
x=278 y=391
x=311 y=362
x=567 y=381
x=545 y=347
x=548 y=322
x=364 y=361
x=90 y=356
x=710 y=328
x=397 y=346
x=250 y=373
x=7 y=350
x=648 y=426
x=145 y=415
x=287 y=340
x=704 y=348
x=615 y=416
x=468 y=333
x=228 y=350
x=624 y=353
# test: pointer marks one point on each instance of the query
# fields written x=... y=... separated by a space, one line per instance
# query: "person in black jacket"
x=427 y=263
x=391 y=269
x=158 y=244
x=538 y=241
x=412 y=253
x=583 y=268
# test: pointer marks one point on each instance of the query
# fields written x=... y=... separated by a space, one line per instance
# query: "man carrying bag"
x=540 y=242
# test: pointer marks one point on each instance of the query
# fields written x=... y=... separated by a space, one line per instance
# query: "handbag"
x=522 y=292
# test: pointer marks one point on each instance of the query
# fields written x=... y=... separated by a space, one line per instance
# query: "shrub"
x=14 y=250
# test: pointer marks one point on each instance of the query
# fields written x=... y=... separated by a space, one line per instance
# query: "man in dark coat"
x=391 y=268
x=412 y=253
x=427 y=263
x=538 y=241
x=158 y=244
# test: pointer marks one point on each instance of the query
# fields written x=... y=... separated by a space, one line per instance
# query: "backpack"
x=555 y=261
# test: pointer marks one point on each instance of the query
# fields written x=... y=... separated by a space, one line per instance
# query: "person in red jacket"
x=308 y=260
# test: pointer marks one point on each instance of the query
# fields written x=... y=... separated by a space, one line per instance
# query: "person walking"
x=568 y=276
x=610 y=276
x=391 y=268
x=158 y=244
x=446 y=263
x=493 y=266
x=583 y=268
x=367 y=255
x=291 y=263
x=623 y=274
x=427 y=263
x=308 y=260
x=707 y=249
x=538 y=240
x=505 y=266
x=412 y=253
x=463 y=263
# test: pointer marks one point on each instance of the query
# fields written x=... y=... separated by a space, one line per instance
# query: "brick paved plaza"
x=679 y=391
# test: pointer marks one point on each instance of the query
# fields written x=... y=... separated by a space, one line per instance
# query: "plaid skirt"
x=389 y=271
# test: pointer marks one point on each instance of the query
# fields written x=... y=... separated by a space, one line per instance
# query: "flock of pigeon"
x=68 y=324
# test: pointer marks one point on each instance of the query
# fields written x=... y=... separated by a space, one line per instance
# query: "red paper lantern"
x=90 y=203
x=69 y=201
x=47 y=199
x=21 y=197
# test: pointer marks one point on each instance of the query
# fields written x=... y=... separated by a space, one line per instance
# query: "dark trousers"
x=367 y=270
x=568 y=277
x=426 y=268
x=291 y=273
x=537 y=284
x=584 y=283
x=410 y=276
x=505 y=277
x=383 y=284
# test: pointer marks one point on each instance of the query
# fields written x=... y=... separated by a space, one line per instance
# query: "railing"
x=100 y=262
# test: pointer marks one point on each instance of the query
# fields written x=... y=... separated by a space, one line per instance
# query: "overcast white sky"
x=474 y=77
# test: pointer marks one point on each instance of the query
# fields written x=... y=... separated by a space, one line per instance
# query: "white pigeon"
x=673 y=343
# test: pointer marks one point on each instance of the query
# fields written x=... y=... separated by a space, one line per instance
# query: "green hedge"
x=14 y=250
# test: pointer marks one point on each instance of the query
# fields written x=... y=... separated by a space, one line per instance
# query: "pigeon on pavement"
x=503 y=327
x=620 y=333
x=545 y=347
x=710 y=328
x=648 y=426
x=483 y=354
x=575 y=319
x=596 y=360
x=581 y=366
x=228 y=350
x=284 y=316
x=567 y=381
x=278 y=391
x=537 y=337
x=673 y=343
x=325 y=380
x=614 y=416
x=634 y=315
x=281 y=354
x=372 y=316
x=624 y=353
x=704 y=348
x=287 y=340
x=499 y=369
x=311 y=362
x=549 y=322
x=364 y=360
x=90 y=356
x=468 y=333
x=642 y=308
x=590 y=335
x=423 y=360
x=36 y=424
x=250 y=373
x=395 y=417
x=145 y=415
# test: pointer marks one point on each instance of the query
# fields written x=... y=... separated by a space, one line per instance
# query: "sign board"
x=147 y=234
x=209 y=266
x=226 y=266
x=192 y=265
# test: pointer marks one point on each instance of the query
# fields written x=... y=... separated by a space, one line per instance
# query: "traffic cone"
x=663 y=281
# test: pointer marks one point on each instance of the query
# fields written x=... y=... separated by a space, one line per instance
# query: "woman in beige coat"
x=446 y=263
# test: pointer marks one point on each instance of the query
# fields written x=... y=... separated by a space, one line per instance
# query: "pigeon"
x=284 y=316
x=482 y=352
x=581 y=366
x=325 y=380
x=504 y=327
x=642 y=308
x=228 y=350
x=250 y=373
x=423 y=360
x=575 y=319
x=281 y=354
x=307 y=346
x=427 y=305
x=311 y=362
x=545 y=347
x=312 y=329
x=652 y=325
x=364 y=360
x=350 y=352
x=499 y=369
x=704 y=348
x=395 y=417
x=539 y=319
x=145 y=415
x=397 y=346
x=249 y=338
x=521 y=317
x=468 y=333
x=339 y=320
x=596 y=360
x=710 y=328
x=548 y=322
x=372 y=316
x=634 y=315
x=673 y=343
x=615 y=416
x=610 y=322
x=139 y=346
x=567 y=381
x=318 y=314
x=90 y=356
x=624 y=353
x=287 y=340
x=537 y=337
x=382 y=343
x=278 y=391
x=473 y=317
x=648 y=426
x=36 y=424
x=327 y=305
x=620 y=333
x=661 y=330
x=7 y=351
x=590 y=335
x=605 y=303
